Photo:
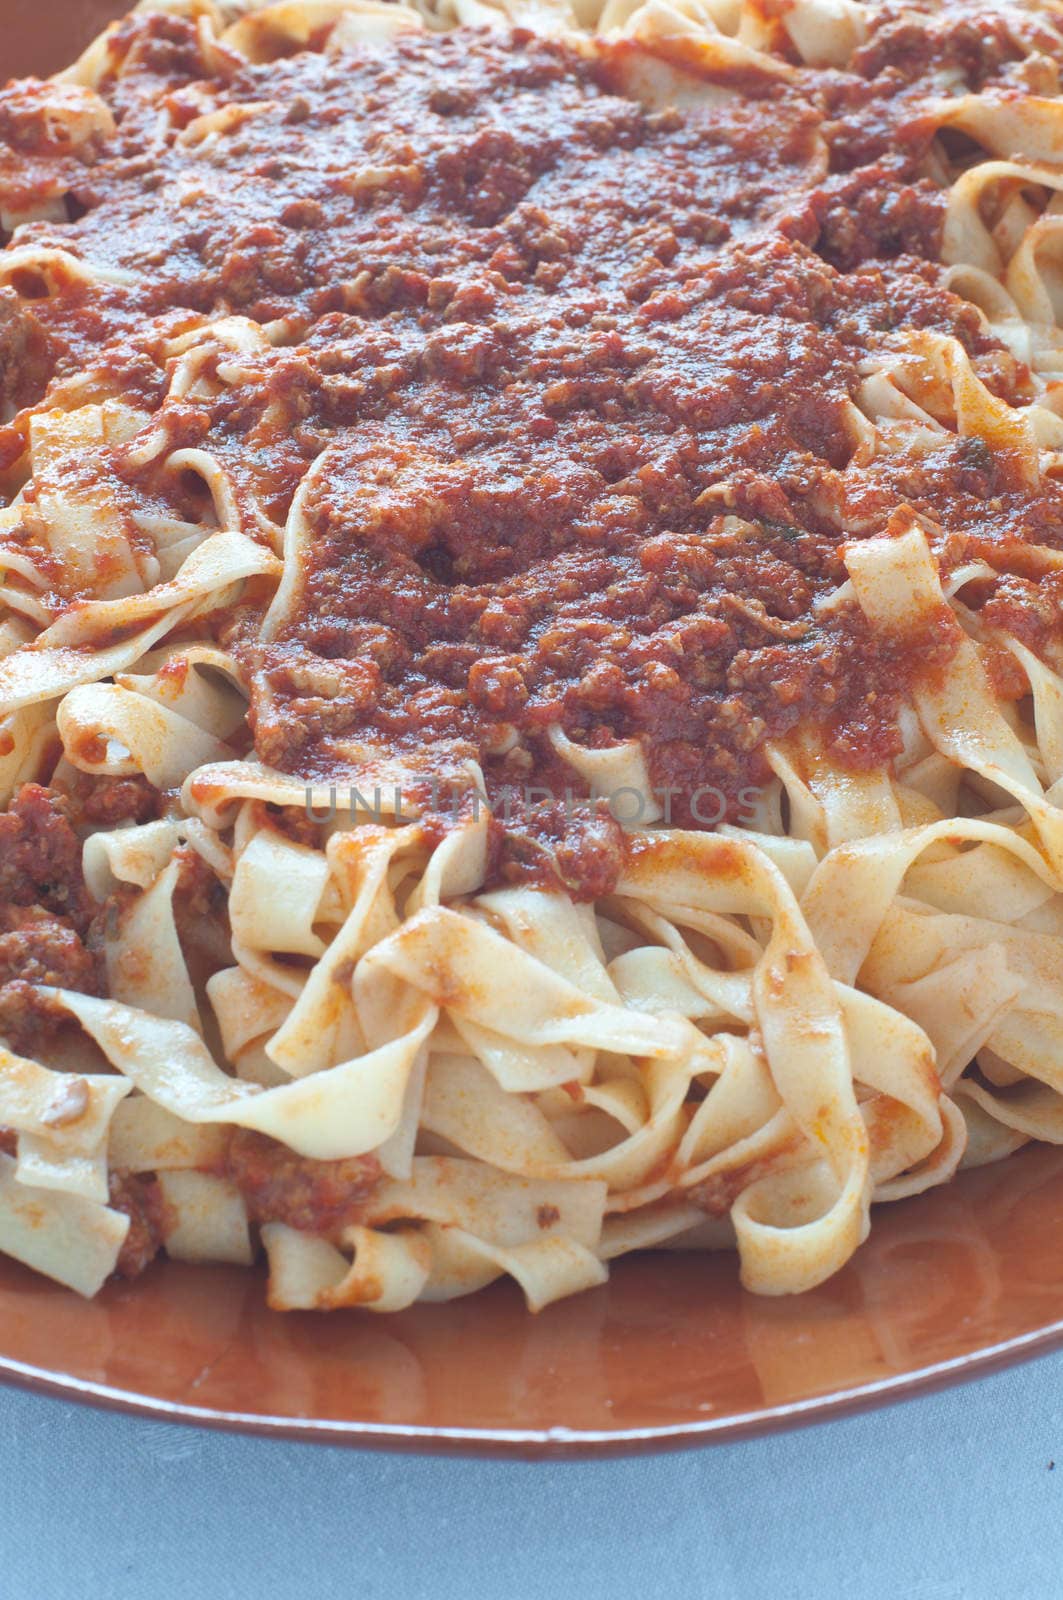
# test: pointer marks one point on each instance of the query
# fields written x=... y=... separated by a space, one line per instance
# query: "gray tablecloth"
x=949 y=1497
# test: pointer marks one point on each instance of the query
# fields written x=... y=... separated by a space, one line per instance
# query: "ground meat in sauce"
x=108 y=802
x=38 y=948
x=140 y=1197
x=575 y=374
x=40 y=857
x=314 y=1196
x=320 y=1197
x=24 y=364
x=45 y=915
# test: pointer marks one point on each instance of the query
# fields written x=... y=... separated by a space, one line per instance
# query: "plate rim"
x=556 y=1443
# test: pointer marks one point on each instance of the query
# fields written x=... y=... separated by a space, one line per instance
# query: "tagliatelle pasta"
x=531 y=634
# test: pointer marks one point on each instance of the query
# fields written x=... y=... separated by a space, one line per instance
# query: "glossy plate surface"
x=671 y=1352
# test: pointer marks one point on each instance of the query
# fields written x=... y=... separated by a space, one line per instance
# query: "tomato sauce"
x=573 y=377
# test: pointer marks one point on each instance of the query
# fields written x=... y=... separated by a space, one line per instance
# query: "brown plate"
x=41 y=36
x=671 y=1352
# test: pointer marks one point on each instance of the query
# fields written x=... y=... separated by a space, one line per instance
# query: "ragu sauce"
x=574 y=377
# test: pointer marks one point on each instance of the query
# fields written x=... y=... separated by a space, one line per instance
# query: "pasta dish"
x=531 y=566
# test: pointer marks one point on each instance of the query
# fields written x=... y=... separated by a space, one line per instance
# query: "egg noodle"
x=754 y=1033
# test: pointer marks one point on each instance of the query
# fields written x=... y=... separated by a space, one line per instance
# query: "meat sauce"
x=573 y=376
x=45 y=915
x=140 y=1197
x=318 y=1197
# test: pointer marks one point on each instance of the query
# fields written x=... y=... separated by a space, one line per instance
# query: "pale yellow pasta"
x=761 y=1031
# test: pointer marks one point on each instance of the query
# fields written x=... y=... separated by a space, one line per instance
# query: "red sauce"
x=45 y=912
x=48 y=919
x=108 y=802
x=582 y=371
x=140 y=1197
x=319 y=1197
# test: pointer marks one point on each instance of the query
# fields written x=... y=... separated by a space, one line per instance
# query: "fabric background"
x=947 y=1497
